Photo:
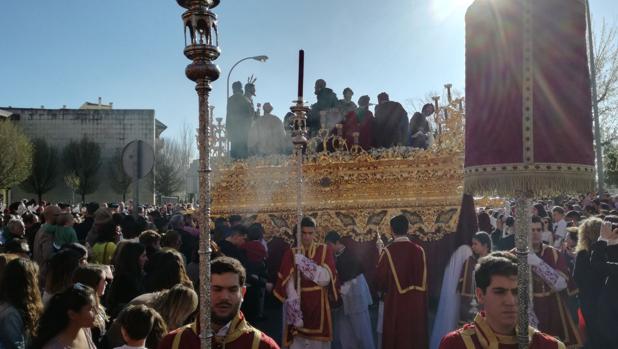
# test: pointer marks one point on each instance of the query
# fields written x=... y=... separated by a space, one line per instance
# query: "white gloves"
x=533 y=259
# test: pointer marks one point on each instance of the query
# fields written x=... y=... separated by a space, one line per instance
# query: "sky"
x=129 y=52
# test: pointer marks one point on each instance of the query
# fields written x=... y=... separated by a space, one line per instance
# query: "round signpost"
x=137 y=163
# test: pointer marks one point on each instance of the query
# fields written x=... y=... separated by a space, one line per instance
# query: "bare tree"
x=44 y=169
x=168 y=171
x=606 y=60
x=118 y=179
x=173 y=157
x=186 y=146
x=82 y=160
x=416 y=104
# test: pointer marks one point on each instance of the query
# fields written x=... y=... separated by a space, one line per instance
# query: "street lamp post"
x=261 y=58
x=201 y=46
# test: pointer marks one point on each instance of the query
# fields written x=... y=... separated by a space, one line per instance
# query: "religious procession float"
x=526 y=132
x=350 y=190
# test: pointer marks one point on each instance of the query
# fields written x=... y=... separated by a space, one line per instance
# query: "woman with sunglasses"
x=67 y=320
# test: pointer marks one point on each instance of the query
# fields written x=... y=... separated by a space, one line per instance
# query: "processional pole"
x=201 y=46
x=299 y=139
x=528 y=136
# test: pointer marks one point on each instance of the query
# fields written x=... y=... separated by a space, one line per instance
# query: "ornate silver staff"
x=201 y=46
x=299 y=139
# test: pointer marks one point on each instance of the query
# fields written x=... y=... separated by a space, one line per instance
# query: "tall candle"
x=301 y=73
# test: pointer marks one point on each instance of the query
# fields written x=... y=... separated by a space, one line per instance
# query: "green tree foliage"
x=83 y=159
x=168 y=168
x=610 y=164
x=44 y=169
x=118 y=180
x=15 y=155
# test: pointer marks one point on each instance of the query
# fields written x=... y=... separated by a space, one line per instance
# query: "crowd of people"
x=573 y=260
x=251 y=133
x=98 y=276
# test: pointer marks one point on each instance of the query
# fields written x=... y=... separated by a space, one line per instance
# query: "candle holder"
x=201 y=47
x=448 y=92
x=356 y=148
x=219 y=140
x=337 y=140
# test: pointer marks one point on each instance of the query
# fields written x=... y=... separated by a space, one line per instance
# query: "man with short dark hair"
x=308 y=322
x=496 y=290
x=572 y=218
x=401 y=277
x=327 y=100
x=231 y=330
x=346 y=105
x=235 y=220
x=230 y=246
x=84 y=227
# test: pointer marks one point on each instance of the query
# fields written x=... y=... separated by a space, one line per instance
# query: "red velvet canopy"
x=528 y=102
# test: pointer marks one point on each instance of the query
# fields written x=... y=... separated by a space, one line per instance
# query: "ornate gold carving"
x=354 y=193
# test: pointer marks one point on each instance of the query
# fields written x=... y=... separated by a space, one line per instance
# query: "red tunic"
x=402 y=275
x=478 y=335
x=551 y=307
x=315 y=300
x=241 y=335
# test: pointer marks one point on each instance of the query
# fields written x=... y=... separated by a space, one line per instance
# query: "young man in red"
x=402 y=276
x=495 y=327
x=308 y=322
x=551 y=285
x=231 y=330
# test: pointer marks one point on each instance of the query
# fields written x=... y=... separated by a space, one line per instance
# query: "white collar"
x=224 y=330
x=401 y=238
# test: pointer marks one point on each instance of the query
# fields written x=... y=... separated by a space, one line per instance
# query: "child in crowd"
x=136 y=323
x=64 y=232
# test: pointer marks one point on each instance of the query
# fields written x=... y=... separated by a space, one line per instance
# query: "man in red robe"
x=231 y=329
x=495 y=328
x=551 y=283
x=308 y=322
x=402 y=276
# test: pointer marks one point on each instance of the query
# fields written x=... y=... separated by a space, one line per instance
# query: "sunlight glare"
x=442 y=9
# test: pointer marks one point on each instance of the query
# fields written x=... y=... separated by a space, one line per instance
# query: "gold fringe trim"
x=534 y=183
